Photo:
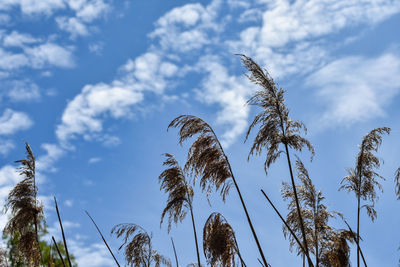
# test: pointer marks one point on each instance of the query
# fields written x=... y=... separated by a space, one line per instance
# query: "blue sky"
x=93 y=84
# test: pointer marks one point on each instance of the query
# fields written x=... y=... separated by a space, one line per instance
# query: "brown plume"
x=26 y=212
x=219 y=242
x=138 y=246
x=362 y=180
x=180 y=196
x=276 y=127
x=205 y=159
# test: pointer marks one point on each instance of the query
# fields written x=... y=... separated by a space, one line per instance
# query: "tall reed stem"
x=102 y=237
x=242 y=201
x=62 y=232
x=287 y=226
x=176 y=256
x=58 y=251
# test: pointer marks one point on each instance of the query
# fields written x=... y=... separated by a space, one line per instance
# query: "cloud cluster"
x=356 y=88
x=84 y=115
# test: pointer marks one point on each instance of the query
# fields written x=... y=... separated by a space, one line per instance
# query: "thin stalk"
x=58 y=250
x=240 y=255
x=359 y=168
x=35 y=222
x=278 y=108
x=287 y=226
x=260 y=262
x=316 y=233
x=358 y=231
x=104 y=240
x=355 y=239
x=195 y=234
x=62 y=232
x=242 y=201
x=298 y=205
x=176 y=257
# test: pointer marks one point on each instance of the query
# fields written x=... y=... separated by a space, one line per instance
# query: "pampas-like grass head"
x=138 y=246
x=276 y=127
x=206 y=159
x=219 y=241
x=26 y=212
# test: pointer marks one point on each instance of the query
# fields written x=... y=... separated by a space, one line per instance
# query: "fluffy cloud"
x=187 y=27
x=12 y=121
x=8 y=178
x=6 y=146
x=230 y=93
x=23 y=90
x=46 y=162
x=283 y=41
x=86 y=11
x=356 y=88
x=85 y=114
x=33 y=7
x=34 y=53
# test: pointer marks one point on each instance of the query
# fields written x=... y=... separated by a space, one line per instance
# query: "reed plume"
x=362 y=180
x=138 y=246
x=219 y=242
x=314 y=212
x=207 y=160
x=26 y=212
x=180 y=196
x=335 y=249
x=276 y=127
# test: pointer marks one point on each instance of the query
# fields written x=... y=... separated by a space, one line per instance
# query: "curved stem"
x=176 y=256
x=298 y=206
x=102 y=237
x=287 y=226
x=242 y=201
x=195 y=235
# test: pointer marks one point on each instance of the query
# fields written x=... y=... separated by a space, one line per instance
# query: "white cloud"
x=8 y=178
x=19 y=40
x=69 y=203
x=33 y=55
x=290 y=39
x=356 y=88
x=12 y=121
x=92 y=10
x=187 y=27
x=93 y=255
x=46 y=162
x=230 y=93
x=6 y=146
x=10 y=61
x=50 y=53
x=94 y=160
x=72 y=25
x=33 y=7
x=23 y=90
x=84 y=115
x=96 y=48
